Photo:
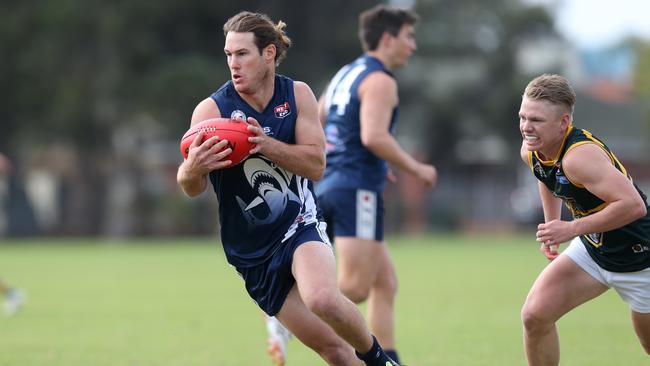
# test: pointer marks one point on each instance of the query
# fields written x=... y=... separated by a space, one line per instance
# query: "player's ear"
x=566 y=120
x=385 y=39
x=269 y=53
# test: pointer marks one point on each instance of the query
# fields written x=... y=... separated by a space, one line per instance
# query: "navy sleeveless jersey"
x=349 y=163
x=260 y=204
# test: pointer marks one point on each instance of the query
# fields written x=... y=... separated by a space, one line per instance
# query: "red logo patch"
x=282 y=110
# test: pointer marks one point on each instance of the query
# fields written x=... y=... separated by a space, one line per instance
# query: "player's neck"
x=551 y=154
x=260 y=97
x=382 y=57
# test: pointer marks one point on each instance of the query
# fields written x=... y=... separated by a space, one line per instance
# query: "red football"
x=227 y=129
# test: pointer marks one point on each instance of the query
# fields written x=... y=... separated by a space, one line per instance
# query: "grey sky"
x=600 y=23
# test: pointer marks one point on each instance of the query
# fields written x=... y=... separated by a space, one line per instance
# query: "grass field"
x=177 y=302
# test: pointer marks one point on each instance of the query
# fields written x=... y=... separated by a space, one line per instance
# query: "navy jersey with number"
x=260 y=204
x=349 y=163
x=625 y=249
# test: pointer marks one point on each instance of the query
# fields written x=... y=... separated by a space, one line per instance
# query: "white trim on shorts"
x=632 y=287
x=366 y=214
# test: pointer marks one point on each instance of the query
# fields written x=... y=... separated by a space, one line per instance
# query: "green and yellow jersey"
x=626 y=249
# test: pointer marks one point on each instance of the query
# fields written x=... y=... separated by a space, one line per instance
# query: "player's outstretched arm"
x=306 y=157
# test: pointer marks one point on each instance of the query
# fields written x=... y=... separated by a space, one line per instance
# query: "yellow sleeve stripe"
x=584 y=143
x=612 y=157
x=583 y=213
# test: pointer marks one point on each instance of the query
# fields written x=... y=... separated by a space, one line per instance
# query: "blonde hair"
x=264 y=30
x=553 y=88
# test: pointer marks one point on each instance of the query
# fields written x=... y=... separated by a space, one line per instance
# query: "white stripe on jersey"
x=321 y=227
x=308 y=211
x=333 y=84
x=366 y=214
x=340 y=91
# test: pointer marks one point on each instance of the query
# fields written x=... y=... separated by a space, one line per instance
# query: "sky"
x=596 y=24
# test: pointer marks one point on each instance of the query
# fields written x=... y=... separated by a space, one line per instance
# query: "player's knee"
x=354 y=291
x=533 y=319
x=387 y=283
x=323 y=304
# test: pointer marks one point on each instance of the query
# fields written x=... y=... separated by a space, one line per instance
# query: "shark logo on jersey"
x=272 y=186
x=238 y=115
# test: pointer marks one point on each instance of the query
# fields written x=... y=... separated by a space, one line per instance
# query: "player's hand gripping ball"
x=235 y=132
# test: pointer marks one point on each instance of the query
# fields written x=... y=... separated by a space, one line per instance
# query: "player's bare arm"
x=322 y=114
x=587 y=165
x=205 y=157
x=552 y=207
x=378 y=94
x=523 y=152
x=307 y=157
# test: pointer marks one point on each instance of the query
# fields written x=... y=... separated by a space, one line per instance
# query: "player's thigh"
x=314 y=269
x=307 y=327
x=358 y=259
x=560 y=287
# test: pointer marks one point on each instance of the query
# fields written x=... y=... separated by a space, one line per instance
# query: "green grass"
x=177 y=302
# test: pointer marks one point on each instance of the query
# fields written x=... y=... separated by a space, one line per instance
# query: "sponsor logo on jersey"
x=640 y=248
x=304 y=217
x=560 y=178
x=332 y=140
x=538 y=169
x=282 y=110
x=238 y=115
x=595 y=239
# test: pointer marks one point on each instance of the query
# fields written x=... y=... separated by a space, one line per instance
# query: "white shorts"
x=632 y=287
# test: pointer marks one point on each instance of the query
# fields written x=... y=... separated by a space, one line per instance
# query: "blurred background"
x=96 y=95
